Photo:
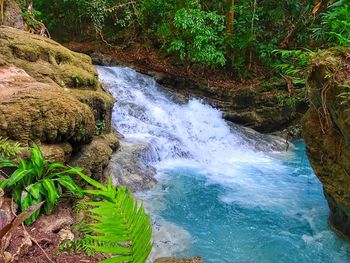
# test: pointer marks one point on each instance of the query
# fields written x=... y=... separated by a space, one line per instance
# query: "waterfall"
x=263 y=196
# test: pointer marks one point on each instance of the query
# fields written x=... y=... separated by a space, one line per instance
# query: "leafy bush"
x=335 y=26
x=198 y=36
x=292 y=64
x=37 y=180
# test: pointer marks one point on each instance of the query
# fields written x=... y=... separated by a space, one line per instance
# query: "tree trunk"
x=230 y=15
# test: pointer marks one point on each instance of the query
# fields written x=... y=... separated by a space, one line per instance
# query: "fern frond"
x=120 y=226
x=79 y=245
x=9 y=149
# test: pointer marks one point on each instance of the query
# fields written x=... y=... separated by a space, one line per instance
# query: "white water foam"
x=193 y=131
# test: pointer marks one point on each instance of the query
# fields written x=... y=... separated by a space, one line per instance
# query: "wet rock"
x=129 y=166
x=327 y=132
x=261 y=142
x=61 y=218
x=94 y=157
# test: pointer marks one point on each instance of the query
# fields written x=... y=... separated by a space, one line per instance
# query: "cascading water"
x=221 y=197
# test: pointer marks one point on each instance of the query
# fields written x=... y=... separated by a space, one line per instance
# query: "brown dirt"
x=146 y=58
x=45 y=231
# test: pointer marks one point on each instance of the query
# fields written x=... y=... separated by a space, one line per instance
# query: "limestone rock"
x=61 y=218
x=46 y=60
x=57 y=152
x=65 y=234
x=51 y=96
x=129 y=166
x=101 y=104
x=30 y=110
x=94 y=157
x=327 y=132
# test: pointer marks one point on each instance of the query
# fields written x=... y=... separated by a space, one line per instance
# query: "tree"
x=230 y=5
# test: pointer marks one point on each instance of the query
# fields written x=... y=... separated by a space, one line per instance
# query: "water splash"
x=239 y=204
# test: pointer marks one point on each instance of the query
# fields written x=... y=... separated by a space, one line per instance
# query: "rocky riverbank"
x=327 y=132
x=52 y=96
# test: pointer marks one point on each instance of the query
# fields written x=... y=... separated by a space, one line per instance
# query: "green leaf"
x=92 y=181
x=119 y=220
x=26 y=202
x=37 y=160
x=51 y=194
x=67 y=182
x=17 y=176
x=6 y=163
x=35 y=190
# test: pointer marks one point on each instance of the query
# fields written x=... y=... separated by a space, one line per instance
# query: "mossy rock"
x=327 y=131
x=46 y=60
x=101 y=104
x=33 y=111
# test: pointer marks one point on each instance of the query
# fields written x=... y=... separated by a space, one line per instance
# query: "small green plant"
x=37 y=180
x=76 y=78
x=284 y=100
x=292 y=64
x=9 y=149
x=118 y=225
x=345 y=96
x=62 y=84
x=99 y=127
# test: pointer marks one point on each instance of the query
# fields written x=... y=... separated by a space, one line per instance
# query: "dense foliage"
x=37 y=180
x=113 y=223
x=197 y=31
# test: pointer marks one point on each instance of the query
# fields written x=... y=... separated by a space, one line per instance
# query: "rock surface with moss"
x=327 y=131
x=52 y=96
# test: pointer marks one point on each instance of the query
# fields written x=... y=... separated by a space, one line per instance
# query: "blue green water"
x=223 y=194
x=226 y=228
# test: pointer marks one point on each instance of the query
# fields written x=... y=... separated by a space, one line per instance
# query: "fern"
x=9 y=149
x=79 y=245
x=120 y=227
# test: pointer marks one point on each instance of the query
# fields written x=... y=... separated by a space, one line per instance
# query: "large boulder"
x=94 y=157
x=34 y=111
x=46 y=60
x=129 y=166
x=327 y=131
x=51 y=96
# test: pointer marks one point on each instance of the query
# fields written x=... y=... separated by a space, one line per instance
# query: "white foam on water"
x=193 y=134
